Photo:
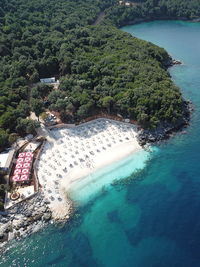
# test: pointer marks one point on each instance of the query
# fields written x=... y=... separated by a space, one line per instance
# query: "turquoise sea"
x=153 y=221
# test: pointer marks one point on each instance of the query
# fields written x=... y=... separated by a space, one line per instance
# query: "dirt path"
x=100 y=18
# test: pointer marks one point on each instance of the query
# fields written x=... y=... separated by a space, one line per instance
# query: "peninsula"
x=67 y=69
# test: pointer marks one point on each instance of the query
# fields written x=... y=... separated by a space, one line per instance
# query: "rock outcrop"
x=165 y=130
x=23 y=219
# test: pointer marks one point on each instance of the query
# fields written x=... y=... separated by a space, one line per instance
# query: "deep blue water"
x=155 y=220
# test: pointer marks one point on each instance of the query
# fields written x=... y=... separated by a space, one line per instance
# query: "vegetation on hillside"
x=31 y=37
x=100 y=67
x=154 y=9
x=112 y=72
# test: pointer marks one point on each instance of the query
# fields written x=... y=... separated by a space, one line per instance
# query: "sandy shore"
x=72 y=154
x=114 y=154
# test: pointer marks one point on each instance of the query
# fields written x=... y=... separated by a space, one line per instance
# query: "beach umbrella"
x=20 y=160
x=16 y=178
x=28 y=159
x=18 y=166
x=29 y=154
x=17 y=171
x=21 y=155
x=24 y=177
x=27 y=165
x=88 y=164
x=25 y=171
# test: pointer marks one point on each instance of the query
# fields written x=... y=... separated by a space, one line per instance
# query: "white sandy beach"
x=72 y=154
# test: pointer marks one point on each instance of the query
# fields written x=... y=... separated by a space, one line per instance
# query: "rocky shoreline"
x=150 y=19
x=166 y=130
x=24 y=219
x=32 y=215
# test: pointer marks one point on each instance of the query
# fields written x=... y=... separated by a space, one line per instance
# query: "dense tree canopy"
x=118 y=74
x=154 y=9
x=100 y=67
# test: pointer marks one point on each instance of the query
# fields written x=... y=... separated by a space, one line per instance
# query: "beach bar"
x=22 y=169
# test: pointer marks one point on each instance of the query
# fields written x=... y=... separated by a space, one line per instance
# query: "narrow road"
x=99 y=19
x=102 y=15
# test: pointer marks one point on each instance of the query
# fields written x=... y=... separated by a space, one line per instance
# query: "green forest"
x=100 y=68
x=120 y=15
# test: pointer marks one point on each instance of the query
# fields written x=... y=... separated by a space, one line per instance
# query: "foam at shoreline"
x=85 y=189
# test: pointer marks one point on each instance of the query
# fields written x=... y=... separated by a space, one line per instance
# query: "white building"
x=48 y=80
x=6 y=159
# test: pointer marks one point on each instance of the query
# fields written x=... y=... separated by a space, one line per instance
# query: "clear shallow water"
x=90 y=187
x=154 y=221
